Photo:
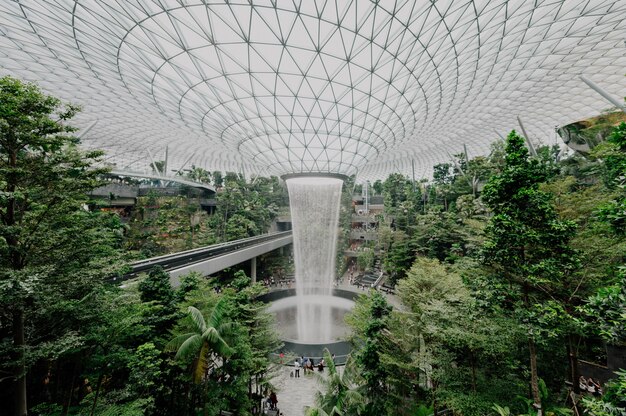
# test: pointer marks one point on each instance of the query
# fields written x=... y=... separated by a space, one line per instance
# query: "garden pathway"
x=295 y=393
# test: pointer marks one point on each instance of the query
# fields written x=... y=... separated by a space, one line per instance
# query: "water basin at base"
x=286 y=309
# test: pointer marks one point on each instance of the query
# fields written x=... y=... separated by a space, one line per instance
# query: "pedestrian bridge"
x=211 y=259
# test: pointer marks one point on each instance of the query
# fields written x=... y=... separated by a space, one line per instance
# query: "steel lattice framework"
x=341 y=86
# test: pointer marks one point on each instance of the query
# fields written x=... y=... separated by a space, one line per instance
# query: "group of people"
x=281 y=282
x=308 y=364
x=590 y=386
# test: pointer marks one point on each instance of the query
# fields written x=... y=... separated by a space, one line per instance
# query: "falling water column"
x=314 y=203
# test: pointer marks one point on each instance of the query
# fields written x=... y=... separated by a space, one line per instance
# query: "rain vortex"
x=314 y=203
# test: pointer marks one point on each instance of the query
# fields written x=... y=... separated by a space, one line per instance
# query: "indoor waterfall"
x=314 y=203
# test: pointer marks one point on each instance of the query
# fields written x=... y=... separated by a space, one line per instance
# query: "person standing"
x=296 y=365
x=273 y=400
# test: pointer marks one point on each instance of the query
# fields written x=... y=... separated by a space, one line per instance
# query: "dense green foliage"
x=70 y=342
x=506 y=267
x=51 y=249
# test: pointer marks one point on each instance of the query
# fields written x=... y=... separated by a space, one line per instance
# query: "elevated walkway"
x=165 y=178
x=211 y=259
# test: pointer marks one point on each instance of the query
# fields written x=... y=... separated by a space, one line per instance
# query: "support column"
x=617 y=103
x=253 y=269
x=527 y=137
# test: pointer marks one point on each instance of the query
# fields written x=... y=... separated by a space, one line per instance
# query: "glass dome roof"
x=343 y=86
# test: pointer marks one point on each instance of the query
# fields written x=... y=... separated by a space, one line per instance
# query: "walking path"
x=295 y=393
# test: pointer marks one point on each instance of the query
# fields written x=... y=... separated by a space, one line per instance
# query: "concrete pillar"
x=253 y=269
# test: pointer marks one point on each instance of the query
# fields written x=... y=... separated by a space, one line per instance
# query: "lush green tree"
x=108 y=353
x=156 y=288
x=399 y=257
x=443 y=174
x=600 y=248
x=613 y=154
x=365 y=259
x=528 y=249
x=232 y=381
x=218 y=179
x=44 y=180
x=377 y=186
x=438 y=234
x=367 y=357
x=394 y=192
x=258 y=334
x=606 y=312
x=464 y=351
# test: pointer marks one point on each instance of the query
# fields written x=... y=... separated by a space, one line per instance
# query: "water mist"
x=314 y=203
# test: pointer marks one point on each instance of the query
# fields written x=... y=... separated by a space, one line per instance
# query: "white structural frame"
x=337 y=86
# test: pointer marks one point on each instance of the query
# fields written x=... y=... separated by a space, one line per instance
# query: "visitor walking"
x=296 y=364
x=273 y=400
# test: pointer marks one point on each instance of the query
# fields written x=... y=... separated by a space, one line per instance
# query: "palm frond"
x=330 y=363
x=177 y=341
x=350 y=372
x=226 y=329
x=336 y=411
x=321 y=380
x=197 y=318
x=189 y=347
x=353 y=397
x=217 y=314
x=217 y=343
x=314 y=411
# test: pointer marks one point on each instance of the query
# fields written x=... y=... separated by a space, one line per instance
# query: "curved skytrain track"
x=185 y=258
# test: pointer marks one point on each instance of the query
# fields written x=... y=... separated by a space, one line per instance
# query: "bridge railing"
x=170 y=261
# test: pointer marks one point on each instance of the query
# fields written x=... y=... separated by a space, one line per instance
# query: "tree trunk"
x=95 y=399
x=21 y=406
x=66 y=405
x=473 y=371
x=534 y=379
x=572 y=353
x=205 y=401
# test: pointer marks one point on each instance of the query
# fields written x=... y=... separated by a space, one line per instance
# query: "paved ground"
x=295 y=393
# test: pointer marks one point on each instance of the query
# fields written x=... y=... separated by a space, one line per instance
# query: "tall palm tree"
x=340 y=391
x=206 y=344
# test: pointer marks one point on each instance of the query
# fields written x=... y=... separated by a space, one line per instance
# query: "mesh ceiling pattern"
x=342 y=86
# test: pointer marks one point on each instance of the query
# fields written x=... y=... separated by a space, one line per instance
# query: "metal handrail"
x=175 y=260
